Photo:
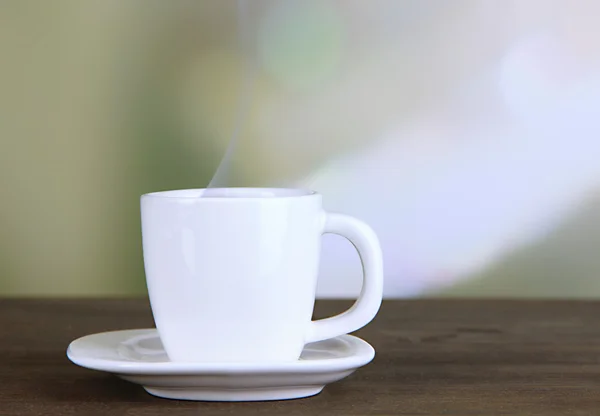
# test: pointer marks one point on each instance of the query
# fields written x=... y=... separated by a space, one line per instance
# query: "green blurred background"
x=465 y=132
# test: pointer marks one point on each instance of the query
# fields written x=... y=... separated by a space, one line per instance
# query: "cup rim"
x=232 y=193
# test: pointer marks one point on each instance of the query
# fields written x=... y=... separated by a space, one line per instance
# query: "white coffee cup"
x=232 y=272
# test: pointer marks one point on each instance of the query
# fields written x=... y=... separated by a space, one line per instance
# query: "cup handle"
x=367 y=305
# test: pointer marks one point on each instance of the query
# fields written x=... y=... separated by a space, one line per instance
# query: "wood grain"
x=434 y=357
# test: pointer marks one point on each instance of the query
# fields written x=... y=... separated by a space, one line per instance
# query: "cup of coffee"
x=232 y=272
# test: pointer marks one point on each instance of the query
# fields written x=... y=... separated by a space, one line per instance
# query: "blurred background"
x=467 y=133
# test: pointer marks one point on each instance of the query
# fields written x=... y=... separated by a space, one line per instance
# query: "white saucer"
x=138 y=356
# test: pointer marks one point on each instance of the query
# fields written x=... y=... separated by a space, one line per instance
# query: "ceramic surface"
x=232 y=272
x=138 y=356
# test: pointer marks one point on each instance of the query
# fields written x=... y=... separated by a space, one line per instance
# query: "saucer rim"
x=363 y=353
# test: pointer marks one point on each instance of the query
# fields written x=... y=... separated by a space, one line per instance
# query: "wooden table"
x=434 y=357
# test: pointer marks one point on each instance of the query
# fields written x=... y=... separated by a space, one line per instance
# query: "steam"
x=223 y=174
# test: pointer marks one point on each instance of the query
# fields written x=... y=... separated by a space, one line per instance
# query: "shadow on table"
x=90 y=387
